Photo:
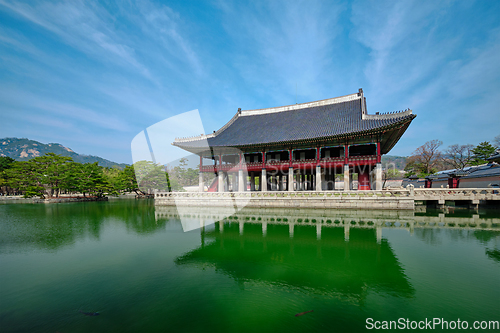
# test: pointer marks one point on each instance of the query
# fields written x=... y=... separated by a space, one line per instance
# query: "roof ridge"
x=388 y=115
x=328 y=101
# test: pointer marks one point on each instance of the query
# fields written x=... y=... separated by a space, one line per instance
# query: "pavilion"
x=299 y=147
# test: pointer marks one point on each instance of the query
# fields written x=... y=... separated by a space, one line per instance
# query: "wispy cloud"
x=282 y=45
x=27 y=101
x=439 y=58
x=107 y=70
x=82 y=26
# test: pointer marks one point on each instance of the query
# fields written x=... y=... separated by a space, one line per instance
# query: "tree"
x=6 y=162
x=389 y=174
x=151 y=176
x=128 y=181
x=88 y=178
x=113 y=176
x=481 y=152
x=25 y=177
x=496 y=141
x=459 y=156
x=425 y=159
x=182 y=176
x=50 y=170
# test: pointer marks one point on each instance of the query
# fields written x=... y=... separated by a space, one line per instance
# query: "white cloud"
x=83 y=27
x=25 y=101
x=283 y=45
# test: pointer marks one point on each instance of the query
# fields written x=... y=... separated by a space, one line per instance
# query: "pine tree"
x=481 y=152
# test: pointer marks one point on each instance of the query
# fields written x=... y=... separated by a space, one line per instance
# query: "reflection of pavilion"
x=336 y=263
x=329 y=218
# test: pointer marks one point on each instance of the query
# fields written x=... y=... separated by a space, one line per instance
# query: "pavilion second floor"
x=367 y=154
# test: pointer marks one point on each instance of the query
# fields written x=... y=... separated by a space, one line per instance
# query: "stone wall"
x=344 y=200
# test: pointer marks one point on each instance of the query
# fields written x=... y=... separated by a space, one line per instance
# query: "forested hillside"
x=25 y=149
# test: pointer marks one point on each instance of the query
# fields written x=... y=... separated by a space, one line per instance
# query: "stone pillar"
x=346 y=178
x=264 y=229
x=226 y=181
x=263 y=181
x=252 y=181
x=220 y=182
x=242 y=182
x=379 y=234
x=290 y=180
x=242 y=226
x=200 y=179
x=378 y=177
x=290 y=229
x=319 y=177
x=318 y=230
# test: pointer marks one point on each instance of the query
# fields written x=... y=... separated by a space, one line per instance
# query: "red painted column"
x=379 y=158
x=346 y=154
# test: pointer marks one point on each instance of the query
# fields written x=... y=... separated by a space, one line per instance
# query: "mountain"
x=25 y=149
x=399 y=161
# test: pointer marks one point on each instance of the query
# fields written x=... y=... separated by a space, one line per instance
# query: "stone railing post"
x=411 y=188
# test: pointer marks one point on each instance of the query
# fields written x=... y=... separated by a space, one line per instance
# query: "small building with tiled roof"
x=300 y=147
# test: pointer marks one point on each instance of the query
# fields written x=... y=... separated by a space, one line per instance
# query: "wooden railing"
x=295 y=163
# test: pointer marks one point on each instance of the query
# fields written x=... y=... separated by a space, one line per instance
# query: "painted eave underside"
x=329 y=120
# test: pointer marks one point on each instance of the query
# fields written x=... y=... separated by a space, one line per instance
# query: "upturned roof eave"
x=342 y=136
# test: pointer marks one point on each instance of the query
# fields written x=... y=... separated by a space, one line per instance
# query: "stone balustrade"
x=384 y=199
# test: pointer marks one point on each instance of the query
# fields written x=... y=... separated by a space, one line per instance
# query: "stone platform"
x=398 y=199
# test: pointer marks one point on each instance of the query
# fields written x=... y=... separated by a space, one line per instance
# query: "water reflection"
x=294 y=255
x=493 y=254
x=327 y=230
x=52 y=226
x=251 y=271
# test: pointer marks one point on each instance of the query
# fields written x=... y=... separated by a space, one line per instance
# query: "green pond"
x=252 y=271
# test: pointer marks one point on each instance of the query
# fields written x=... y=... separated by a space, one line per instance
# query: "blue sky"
x=92 y=75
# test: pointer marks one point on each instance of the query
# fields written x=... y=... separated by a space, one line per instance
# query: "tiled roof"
x=495 y=157
x=323 y=119
x=488 y=170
